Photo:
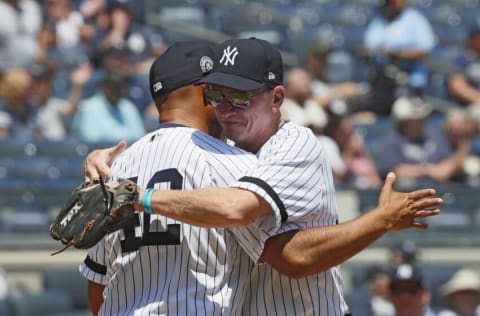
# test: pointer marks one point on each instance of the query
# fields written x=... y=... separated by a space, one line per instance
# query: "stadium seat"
x=368 y=199
x=233 y=20
x=15 y=147
x=373 y=134
x=32 y=168
x=5 y=306
x=73 y=313
x=339 y=66
x=33 y=220
x=41 y=304
x=187 y=13
x=67 y=280
x=67 y=148
x=448 y=35
x=456 y=218
x=273 y=36
x=70 y=169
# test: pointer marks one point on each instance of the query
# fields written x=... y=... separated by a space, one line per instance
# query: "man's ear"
x=278 y=96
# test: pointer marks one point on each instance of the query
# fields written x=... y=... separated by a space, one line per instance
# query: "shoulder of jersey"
x=215 y=145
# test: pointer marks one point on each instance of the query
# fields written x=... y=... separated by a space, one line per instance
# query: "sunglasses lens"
x=214 y=97
x=239 y=100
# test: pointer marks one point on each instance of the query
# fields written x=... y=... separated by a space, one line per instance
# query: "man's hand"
x=401 y=210
x=98 y=162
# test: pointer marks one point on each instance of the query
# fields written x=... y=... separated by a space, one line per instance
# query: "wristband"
x=147 y=200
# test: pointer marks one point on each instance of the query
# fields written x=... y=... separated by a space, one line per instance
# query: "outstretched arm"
x=210 y=207
x=230 y=207
x=301 y=253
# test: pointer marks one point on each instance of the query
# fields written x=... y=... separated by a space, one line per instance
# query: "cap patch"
x=206 y=64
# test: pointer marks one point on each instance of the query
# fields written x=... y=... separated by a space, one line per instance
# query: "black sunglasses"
x=238 y=100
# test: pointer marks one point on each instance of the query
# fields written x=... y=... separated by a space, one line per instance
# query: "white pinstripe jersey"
x=159 y=266
x=294 y=177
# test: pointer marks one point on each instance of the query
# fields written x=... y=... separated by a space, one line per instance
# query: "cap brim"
x=231 y=81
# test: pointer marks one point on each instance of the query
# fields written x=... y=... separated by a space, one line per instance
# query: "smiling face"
x=250 y=128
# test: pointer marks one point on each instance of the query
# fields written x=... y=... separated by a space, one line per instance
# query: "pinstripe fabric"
x=194 y=277
x=293 y=176
x=292 y=163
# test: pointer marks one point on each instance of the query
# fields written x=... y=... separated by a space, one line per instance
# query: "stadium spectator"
x=55 y=113
x=107 y=115
x=409 y=293
x=462 y=294
x=324 y=91
x=20 y=22
x=121 y=29
x=347 y=154
x=464 y=85
x=300 y=107
x=403 y=252
x=462 y=132
x=117 y=58
x=415 y=151
x=396 y=41
x=64 y=33
x=16 y=103
x=375 y=299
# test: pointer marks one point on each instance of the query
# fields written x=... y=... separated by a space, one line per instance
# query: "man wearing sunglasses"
x=283 y=210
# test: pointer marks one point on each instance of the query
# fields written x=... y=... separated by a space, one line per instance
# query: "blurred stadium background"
x=36 y=175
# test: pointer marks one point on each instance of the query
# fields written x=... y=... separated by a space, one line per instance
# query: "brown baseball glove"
x=92 y=211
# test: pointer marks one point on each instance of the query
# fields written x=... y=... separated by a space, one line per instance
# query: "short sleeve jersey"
x=294 y=177
x=158 y=266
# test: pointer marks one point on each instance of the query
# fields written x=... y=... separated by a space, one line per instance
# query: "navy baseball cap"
x=183 y=63
x=246 y=65
x=406 y=277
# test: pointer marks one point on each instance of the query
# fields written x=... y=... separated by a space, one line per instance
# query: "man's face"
x=113 y=92
x=475 y=43
x=409 y=299
x=412 y=129
x=393 y=7
x=247 y=126
x=465 y=301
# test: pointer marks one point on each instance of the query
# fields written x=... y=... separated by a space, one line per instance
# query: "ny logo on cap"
x=229 y=56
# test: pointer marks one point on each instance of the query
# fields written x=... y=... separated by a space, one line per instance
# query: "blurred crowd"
x=74 y=68
x=77 y=68
x=406 y=287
